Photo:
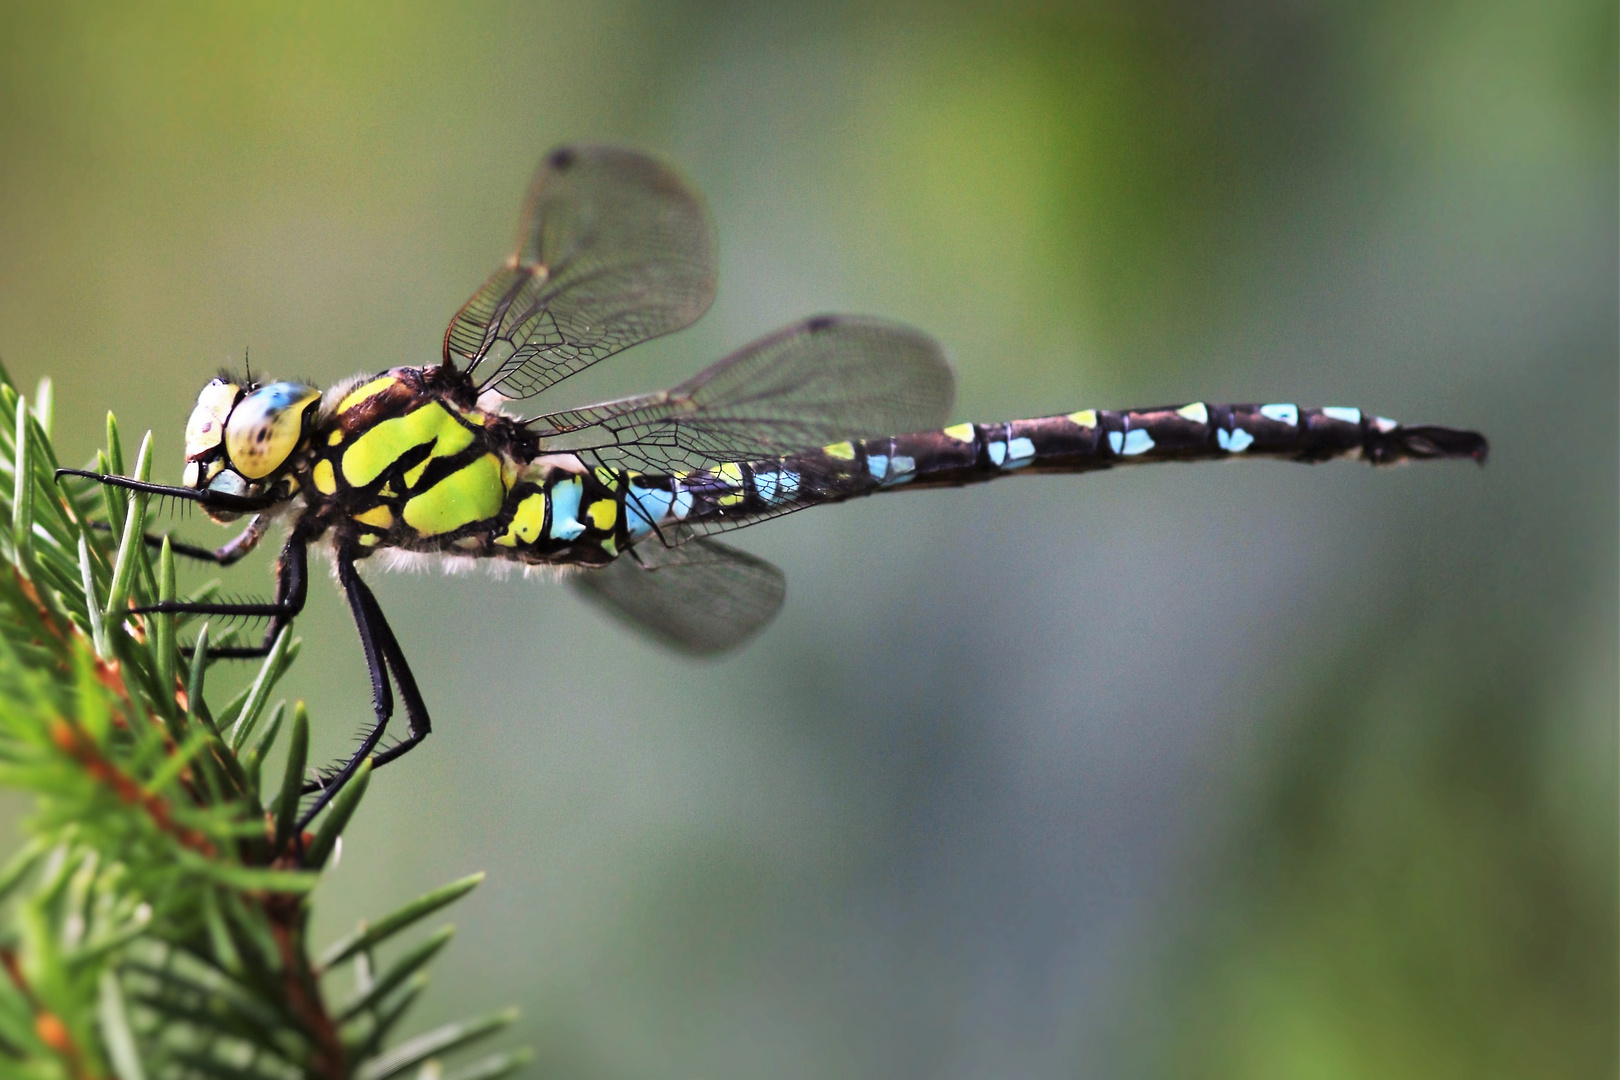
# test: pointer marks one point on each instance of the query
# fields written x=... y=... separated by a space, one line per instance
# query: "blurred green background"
x=1252 y=772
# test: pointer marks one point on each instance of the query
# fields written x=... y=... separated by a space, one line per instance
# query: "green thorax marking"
x=471 y=494
x=385 y=443
x=407 y=464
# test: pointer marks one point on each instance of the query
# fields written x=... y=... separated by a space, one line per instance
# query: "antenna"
x=248 y=364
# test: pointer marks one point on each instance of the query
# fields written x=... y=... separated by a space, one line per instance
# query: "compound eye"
x=206 y=427
x=266 y=426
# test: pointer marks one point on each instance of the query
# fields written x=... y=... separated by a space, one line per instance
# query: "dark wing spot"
x=821 y=322
x=562 y=158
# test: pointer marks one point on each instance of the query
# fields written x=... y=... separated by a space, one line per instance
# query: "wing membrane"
x=613 y=249
x=820 y=381
x=701 y=598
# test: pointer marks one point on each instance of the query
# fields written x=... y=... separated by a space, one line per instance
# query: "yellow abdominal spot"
x=527 y=522
x=383 y=444
x=471 y=493
x=844 y=451
x=730 y=473
x=607 y=478
x=380 y=516
x=603 y=513
x=325 y=482
x=367 y=392
x=960 y=432
x=334 y=438
x=1084 y=418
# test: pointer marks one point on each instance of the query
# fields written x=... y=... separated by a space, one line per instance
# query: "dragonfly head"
x=241 y=438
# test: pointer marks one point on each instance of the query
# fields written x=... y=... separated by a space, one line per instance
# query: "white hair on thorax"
x=338 y=391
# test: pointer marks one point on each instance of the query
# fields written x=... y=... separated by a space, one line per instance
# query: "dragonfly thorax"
x=407 y=460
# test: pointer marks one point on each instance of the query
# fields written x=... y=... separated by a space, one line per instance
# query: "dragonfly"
x=613 y=249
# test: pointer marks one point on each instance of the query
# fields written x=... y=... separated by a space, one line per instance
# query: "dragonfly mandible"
x=613 y=249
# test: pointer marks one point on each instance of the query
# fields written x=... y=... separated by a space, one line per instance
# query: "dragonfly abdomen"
x=737 y=493
x=1094 y=439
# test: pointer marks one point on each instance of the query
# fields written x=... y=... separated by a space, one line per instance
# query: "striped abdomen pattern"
x=1083 y=441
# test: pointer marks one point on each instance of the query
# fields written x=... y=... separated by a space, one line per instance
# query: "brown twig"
x=71 y=740
x=31 y=594
x=288 y=922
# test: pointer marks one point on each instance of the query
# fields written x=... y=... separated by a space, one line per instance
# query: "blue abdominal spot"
x=565 y=510
x=646 y=507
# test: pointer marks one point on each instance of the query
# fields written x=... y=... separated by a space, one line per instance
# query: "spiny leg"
x=214 y=500
x=224 y=555
x=292 y=590
x=231 y=551
x=416 y=715
x=374 y=631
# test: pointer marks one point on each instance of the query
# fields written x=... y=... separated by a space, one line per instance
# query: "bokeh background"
x=1223 y=772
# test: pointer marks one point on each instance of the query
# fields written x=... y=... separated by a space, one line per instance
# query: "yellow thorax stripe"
x=366 y=392
x=325 y=482
x=380 y=516
x=383 y=444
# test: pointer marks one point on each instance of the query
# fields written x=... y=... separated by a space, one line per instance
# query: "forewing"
x=701 y=598
x=613 y=249
x=817 y=382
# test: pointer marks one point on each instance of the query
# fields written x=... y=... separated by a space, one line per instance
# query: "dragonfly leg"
x=382 y=654
x=216 y=500
x=292 y=590
x=418 y=725
x=227 y=553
